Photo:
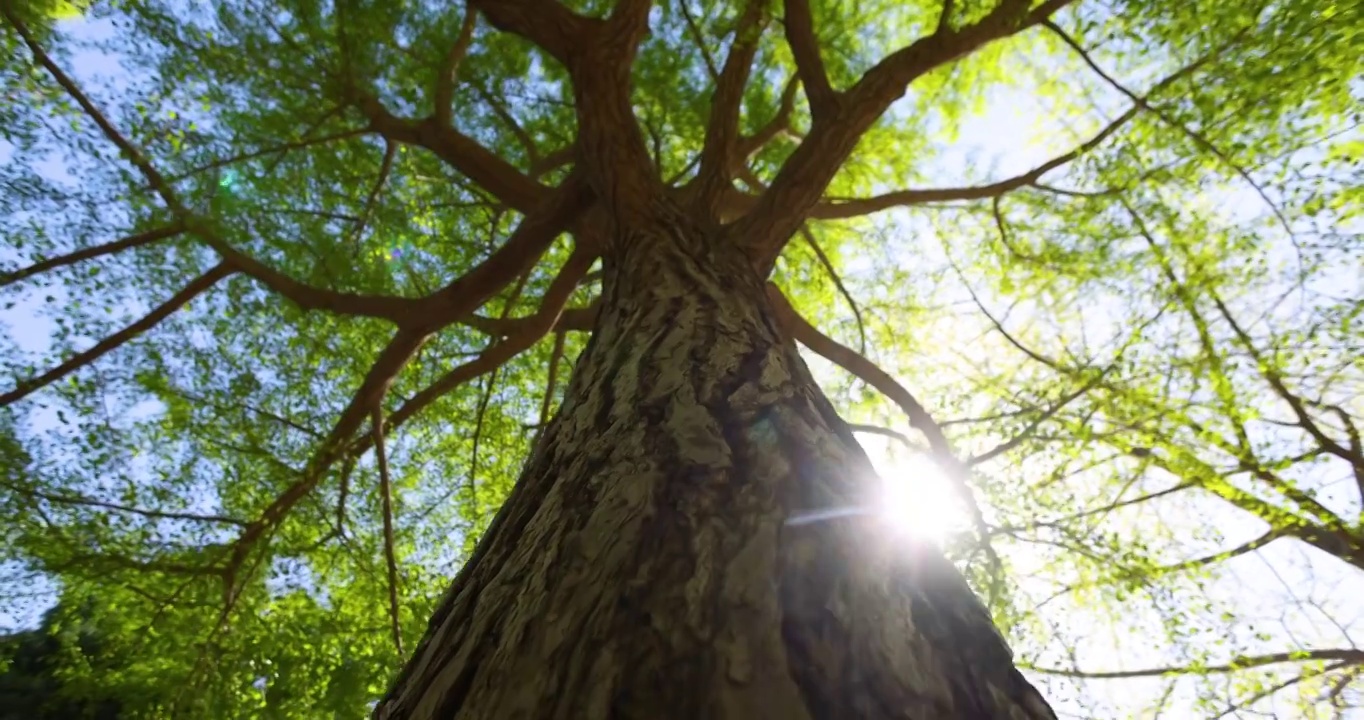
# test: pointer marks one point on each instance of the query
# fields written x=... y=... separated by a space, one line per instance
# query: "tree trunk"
x=644 y=566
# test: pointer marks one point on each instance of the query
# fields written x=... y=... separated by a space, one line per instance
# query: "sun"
x=917 y=499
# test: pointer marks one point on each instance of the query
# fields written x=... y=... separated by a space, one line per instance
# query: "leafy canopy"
x=238 y=228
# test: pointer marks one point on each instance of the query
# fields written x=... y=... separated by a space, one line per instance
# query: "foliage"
x=1139 y=349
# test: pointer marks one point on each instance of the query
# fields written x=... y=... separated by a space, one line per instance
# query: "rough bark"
x=645 y=566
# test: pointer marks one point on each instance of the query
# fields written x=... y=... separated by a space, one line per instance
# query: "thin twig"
x=445 y=81
x=700 y=39
x=390 y=553
x=551 y=378
x=109 y=248
x=838 y=283
x=192 y=290
x=385 y=167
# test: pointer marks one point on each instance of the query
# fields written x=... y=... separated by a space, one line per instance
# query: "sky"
x=1017 y=132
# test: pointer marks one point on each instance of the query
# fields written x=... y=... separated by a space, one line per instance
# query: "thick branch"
x=394 y=309
x=557 y=30
x=719 y=150
x=500 y=178
x=599 y=56
x=195 y=288
x=848 y=359
x=500 y=351
x=780 y=123
x=109 y=248
x=801 y=37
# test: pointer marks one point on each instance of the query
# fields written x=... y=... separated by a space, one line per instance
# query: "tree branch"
x=130 y=151
x=526 y=244
x=1264 y=539
x=801 y=37
x=201 y=400
x=500 y=351
x=886 y=432
x=307 y=297
x=551 y=380
x=1165 y=117
x=192 y=290
x=1027 y=432
x=385 y=167
x=840 y=208
x=449 y=68
x=719 y=149
x=1276 y=382
x=804 y=176
x=117 y=507
x=369 y=395
x=553 y=161
x=571 y=319
x=386 y=502
x=109 y=248
x=501 y=179
x=945 y=18
x=1305 y=675
x=397 y=310
x=1244 y=662
x=522 y=137
x=1010 y=529
x=1356 y=454
x=838 y=283
x=556 y=29
x=780 y=123
x=281 y=148
x=1243 y=449
x=700 y=39
x=860 y=367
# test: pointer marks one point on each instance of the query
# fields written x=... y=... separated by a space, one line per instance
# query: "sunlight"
x=918 y=499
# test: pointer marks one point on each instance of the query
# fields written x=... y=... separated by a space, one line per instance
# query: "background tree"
x=71 y=666
x=317 y=278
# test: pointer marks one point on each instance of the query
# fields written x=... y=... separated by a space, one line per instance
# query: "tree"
x=299 y=257
x=38 y=679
